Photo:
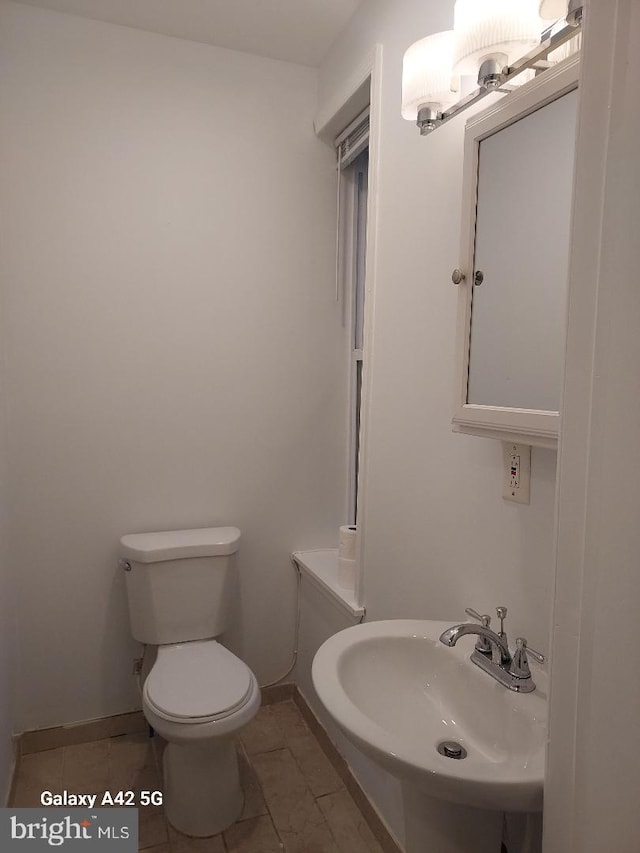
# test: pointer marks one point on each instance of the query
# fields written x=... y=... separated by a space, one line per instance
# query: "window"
x=353 y=165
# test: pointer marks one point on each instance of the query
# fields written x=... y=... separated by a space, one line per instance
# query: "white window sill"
x=321 y=567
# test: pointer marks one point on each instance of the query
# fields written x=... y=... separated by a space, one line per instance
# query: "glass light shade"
x=493 y=28
x=426 y=74
x=552 y=10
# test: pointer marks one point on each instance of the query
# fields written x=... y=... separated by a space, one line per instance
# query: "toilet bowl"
x=196 y=694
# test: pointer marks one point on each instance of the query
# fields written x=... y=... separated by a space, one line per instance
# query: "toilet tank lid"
x=177 y=544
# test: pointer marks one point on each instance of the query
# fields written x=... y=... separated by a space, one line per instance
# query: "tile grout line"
x=304 y=776
x=264 y=799
x=287 y=746
x=259 y=783
x=369 y=812
x=63 y=765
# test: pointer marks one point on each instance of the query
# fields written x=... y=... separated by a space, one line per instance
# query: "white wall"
x=437 y=534
x=174 y=349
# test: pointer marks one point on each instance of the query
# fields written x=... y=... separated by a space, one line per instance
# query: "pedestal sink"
x=398 y=693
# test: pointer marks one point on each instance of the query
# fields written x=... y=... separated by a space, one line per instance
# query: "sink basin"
x=397 y=693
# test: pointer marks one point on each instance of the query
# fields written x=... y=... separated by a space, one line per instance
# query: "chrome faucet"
x=492 y=652
x=499 y=651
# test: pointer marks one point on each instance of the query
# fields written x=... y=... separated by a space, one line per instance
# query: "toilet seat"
x=197 y=682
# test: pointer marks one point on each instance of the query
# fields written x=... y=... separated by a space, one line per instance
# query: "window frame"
x=352 y=252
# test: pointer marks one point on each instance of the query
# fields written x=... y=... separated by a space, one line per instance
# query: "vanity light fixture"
x=553 y=9
x=570 y=10
x=490 y=34
x=428 y=86
x=488 y=39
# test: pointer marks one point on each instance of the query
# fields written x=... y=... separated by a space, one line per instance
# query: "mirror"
x=518 y=195
x=525 y=170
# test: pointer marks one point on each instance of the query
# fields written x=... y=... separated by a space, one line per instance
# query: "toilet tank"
x=178 y=583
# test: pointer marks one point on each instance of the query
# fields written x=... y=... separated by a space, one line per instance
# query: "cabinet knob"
x=457 y=276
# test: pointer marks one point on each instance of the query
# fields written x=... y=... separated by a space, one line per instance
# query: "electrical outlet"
x=137 y=666
x=517 y=472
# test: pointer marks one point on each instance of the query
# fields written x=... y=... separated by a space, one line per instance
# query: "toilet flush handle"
x=125 y=565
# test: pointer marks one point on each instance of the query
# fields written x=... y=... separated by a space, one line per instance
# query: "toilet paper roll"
x=347 y=542
x=346 y=573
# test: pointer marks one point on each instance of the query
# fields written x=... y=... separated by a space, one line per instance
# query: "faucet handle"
x=482 y=645
x=485 y=620
x=502 y=615
x=520 y=662
x=521 y=642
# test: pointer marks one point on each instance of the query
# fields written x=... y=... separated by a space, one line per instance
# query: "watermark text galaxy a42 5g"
x=108 y=798
x=69 y=829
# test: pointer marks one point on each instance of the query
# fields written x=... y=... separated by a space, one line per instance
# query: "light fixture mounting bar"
x=535 y=58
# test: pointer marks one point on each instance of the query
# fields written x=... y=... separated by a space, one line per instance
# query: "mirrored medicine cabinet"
x=517 y=201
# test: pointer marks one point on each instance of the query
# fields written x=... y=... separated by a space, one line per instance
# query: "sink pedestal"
x=432 y=824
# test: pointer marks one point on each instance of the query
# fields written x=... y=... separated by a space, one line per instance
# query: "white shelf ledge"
x=321 y=567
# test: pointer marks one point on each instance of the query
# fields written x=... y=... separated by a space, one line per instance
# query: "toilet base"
x=202 y=787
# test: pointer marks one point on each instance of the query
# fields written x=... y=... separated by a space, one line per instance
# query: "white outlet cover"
x=516 y=479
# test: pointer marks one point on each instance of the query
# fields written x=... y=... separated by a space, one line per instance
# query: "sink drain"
x=452 y=749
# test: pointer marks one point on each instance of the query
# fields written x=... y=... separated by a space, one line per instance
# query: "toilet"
x=196 y=694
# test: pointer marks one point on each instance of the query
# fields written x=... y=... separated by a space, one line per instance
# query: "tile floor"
x=294 y=800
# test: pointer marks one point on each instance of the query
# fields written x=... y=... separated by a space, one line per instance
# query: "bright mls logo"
x=69 y=829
